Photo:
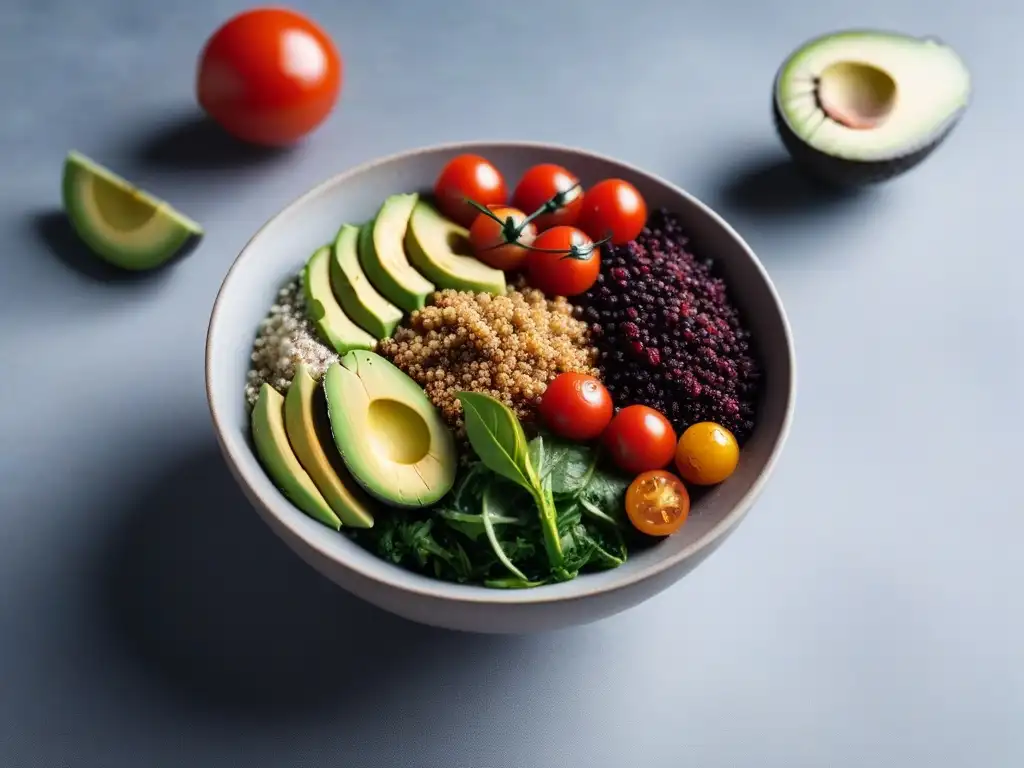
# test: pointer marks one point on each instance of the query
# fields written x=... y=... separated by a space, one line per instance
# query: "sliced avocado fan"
x=309 y=433
x=121 y=224
x=278 y=459
x=440 y=249
x=883 y=100
x=383 y=257
x=360 y=300
x=323 y=309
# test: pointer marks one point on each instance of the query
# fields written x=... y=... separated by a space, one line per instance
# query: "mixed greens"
x=522 y=513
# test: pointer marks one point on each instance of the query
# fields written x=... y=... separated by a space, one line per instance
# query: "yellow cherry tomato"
x=707 y=453
x=657 y=503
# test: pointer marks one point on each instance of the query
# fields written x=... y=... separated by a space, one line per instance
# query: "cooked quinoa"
x=508 y=347
x=286 y=338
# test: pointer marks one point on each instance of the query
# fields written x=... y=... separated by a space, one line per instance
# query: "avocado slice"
x=309 y=432
x=439 y=248
x=390 y=436
x=382 y=254
x=276 y=455
x=323 y=308
x=860 y=107
x=357 y=296
x=121 y=224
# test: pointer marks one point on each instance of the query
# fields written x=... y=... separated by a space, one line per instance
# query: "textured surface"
x=866 y=612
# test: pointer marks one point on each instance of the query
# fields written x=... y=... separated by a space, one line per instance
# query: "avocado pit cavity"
x=397 y=431
x=857 y=95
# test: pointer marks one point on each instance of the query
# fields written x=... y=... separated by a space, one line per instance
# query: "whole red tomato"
x=576 y=406
x=615 y=208
x=640 y=439
x=469 y=176
x=269 y=76
x=539 y=185
x=563 y=261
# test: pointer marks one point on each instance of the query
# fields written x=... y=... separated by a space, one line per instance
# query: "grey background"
x=868 y=612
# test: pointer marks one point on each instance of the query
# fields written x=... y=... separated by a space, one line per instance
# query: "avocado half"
x=860 y=107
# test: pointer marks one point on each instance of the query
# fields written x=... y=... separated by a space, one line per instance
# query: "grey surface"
x=868 y=611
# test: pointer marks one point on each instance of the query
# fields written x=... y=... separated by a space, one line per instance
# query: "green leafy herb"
x=493 y=537
x=569 y=464
x=493 y=530
x=498 y=439
x=603 y=497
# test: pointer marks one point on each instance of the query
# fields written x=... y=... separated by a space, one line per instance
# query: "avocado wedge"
x=305 y=420
x=278 y=459
x=382 y=255
x=323 y=309
x=440 y=249
x=357 y=296
x=390 y=436
x=860 y=107
x=121 y=224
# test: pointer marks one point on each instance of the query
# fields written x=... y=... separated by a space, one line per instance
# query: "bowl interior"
x=282 y=246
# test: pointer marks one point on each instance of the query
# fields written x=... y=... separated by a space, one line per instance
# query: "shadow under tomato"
x=194 y=142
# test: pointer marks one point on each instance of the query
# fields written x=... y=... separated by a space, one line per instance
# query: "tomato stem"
x=484 y=210
x=582 y=252
x=556 y=201
x=510 y=231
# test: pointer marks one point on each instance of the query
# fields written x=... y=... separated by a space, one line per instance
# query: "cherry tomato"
x=707 y=453
x=468 y=176
x=657 y=503
x=269 y=76
x=539 y=185
x=613 y=207
x=490 y=240
x=558 y=273
x=640 y=439
x=576 y=406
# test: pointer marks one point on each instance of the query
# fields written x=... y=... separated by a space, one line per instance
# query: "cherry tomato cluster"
x=641 y=441
x=551 y=228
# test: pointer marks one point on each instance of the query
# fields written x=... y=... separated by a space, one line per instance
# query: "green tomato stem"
x=556 y=201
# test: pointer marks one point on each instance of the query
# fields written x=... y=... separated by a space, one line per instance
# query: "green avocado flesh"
x=382 y=255
x=871 y=96
x=305 y=419
x=439 y=249
x=279 y=460
x=358 y=298
x=122 y=224
x=323 y=309
x=390 y=436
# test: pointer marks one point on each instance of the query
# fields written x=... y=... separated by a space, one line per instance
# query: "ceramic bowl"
x=280 y=248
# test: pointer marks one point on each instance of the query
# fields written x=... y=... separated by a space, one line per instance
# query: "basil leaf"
x=498 y=438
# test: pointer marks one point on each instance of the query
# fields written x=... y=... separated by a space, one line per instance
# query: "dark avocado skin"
x=851 y=173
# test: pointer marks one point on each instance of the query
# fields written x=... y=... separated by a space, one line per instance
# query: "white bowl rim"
x=451 y=591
